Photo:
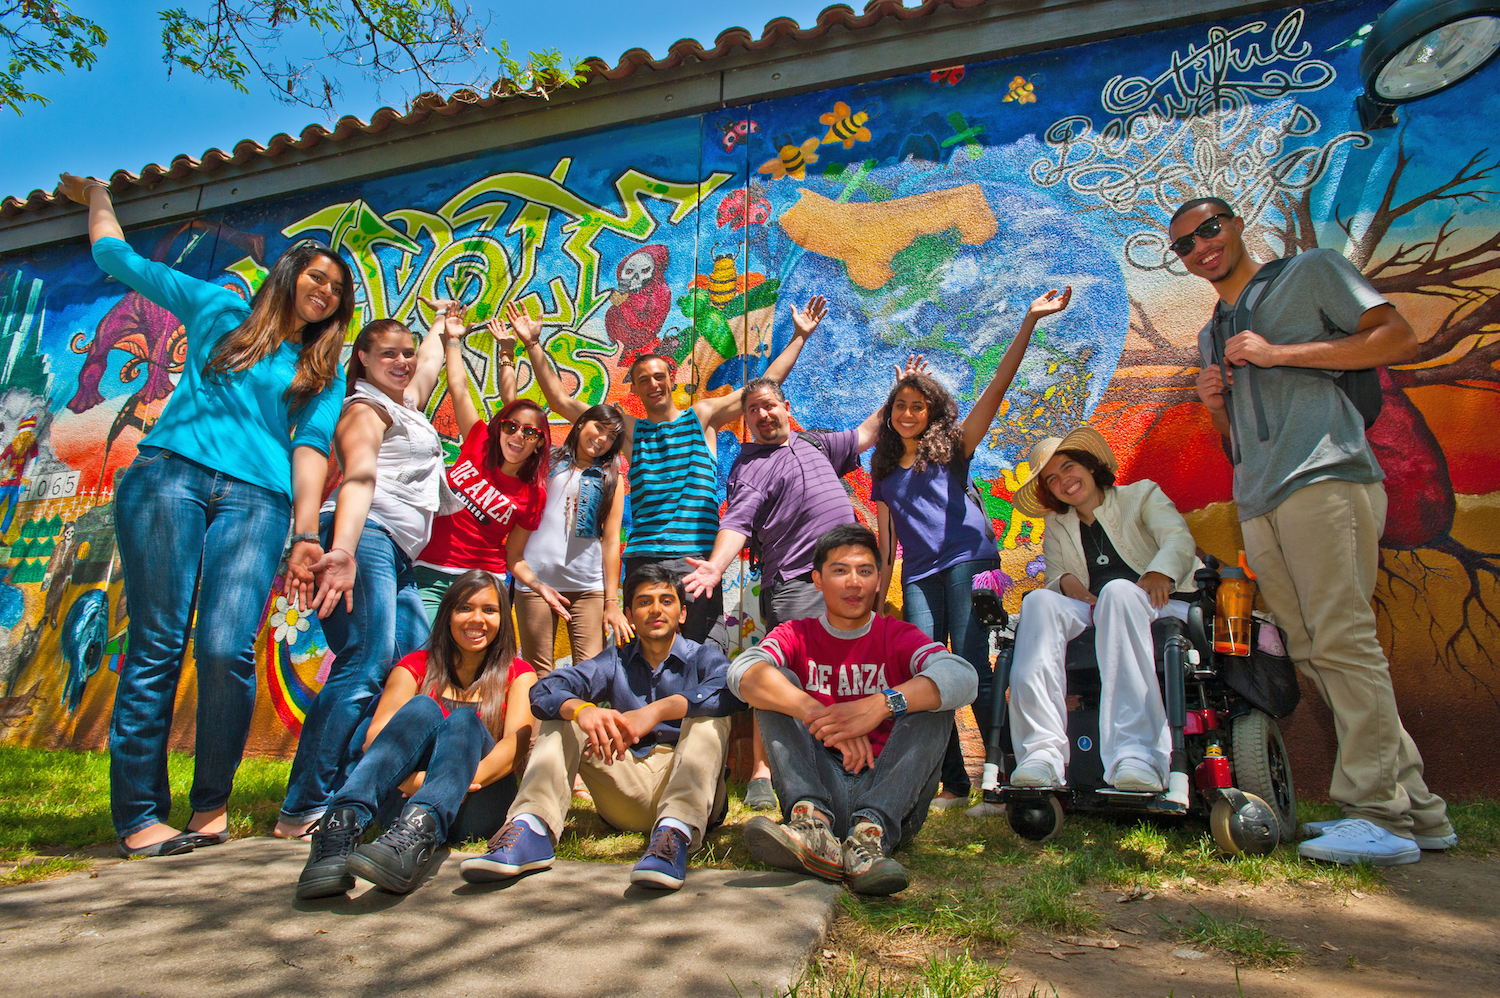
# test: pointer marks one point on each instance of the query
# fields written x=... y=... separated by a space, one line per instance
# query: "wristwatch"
x=896 y=702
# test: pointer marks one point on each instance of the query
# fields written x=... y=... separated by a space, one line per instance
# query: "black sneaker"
x=867 y=869
x=395 y=861
x=333 y=839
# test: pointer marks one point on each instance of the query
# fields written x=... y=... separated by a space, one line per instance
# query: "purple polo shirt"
x=789 y=495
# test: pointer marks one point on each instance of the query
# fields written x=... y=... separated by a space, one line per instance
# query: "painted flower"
x=288 y=620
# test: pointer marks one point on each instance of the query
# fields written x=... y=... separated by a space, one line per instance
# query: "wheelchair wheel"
x=1035 y=820
x=1261 y=767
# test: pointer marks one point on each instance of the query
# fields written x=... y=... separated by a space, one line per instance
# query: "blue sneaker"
x=514 y=850
x=665 y=864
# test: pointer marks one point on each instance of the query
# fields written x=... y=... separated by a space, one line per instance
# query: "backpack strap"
x=1244 y=318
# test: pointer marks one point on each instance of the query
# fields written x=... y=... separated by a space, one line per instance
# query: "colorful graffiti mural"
x=928 y=209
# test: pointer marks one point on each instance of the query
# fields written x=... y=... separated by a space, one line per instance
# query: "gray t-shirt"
x=1315 y=433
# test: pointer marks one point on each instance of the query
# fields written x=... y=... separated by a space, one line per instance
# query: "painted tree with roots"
x=1199 y=129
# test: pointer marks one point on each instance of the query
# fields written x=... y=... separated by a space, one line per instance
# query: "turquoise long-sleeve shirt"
x=238 y=423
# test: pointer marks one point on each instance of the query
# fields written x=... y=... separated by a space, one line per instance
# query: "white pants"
x=1132 y=720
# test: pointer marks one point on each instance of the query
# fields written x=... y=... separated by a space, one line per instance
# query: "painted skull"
x=638 y=271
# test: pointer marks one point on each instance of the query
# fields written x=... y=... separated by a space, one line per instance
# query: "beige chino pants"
x=685 y=782
x=537 y=627
x=1316 y=556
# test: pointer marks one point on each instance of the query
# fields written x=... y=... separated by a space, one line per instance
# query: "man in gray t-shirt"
x=1312 y=508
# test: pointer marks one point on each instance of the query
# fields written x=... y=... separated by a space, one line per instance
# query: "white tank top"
x=408 y=471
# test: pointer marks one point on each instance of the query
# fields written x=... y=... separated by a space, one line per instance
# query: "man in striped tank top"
x=673 y=455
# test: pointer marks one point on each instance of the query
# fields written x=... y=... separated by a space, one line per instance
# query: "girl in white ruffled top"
x=372 y=528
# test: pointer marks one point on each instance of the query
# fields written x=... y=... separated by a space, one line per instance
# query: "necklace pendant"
x=1103 y=559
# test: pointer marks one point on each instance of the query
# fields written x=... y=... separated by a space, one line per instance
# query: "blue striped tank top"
x=674 y=505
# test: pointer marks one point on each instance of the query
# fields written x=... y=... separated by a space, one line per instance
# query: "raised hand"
x=527 y=328
x=915 y=364
x=806 y=319
x=1050 y=303
x=77 y=188
x=505 y=337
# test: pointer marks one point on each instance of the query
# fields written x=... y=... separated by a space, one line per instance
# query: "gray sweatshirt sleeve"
x=749 y=657
x=955 y=678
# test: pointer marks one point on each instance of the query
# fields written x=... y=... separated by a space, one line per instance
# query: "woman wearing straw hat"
x=1115 y=555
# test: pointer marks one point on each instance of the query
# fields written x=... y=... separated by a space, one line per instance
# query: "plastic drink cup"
x=1232 y=608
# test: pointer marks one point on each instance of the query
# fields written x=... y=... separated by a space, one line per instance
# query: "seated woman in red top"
x=499 y=477
x=447 y=734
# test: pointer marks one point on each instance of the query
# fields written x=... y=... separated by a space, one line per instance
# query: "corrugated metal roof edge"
x=424 y=107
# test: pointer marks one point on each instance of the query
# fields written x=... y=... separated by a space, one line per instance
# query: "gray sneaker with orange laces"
x=804 y=844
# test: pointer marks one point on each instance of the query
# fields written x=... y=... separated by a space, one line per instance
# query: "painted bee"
x=844 y=126
x=792 y=160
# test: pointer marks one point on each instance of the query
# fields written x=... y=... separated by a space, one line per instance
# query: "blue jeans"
x=894 y=793
x=940 y=606
x=387 y=623
x=418 y=737
x=183 y=527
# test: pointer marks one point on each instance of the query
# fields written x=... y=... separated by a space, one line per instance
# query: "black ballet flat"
x=175 y=846
x=201 y=840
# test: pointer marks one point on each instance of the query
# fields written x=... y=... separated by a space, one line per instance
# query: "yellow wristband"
x=586 y=703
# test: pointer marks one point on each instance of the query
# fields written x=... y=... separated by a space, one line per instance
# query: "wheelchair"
x=1228 y=761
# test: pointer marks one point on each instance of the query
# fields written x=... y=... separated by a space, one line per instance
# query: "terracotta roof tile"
x=424 y=106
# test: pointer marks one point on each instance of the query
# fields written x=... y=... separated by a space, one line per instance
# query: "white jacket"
x=1144 y=527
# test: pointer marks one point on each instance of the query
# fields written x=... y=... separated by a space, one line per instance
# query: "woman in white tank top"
x=371 y=528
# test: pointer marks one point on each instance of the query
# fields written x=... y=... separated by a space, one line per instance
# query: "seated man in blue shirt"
x=646 y=726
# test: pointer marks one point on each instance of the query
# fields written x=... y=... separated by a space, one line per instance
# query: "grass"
x=1244 y=942
x=947 y=976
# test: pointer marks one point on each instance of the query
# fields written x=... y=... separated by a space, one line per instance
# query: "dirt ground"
x=1433 y=930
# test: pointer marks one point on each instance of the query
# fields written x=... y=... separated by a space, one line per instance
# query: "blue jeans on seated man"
x=387 y=623
x=941 y=607
x=416 y=738
x=894 y=793
x=177 y=522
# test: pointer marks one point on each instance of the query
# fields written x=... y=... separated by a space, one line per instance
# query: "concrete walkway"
x=223 y=922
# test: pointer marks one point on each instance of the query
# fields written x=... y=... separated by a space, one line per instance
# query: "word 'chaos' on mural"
x=929 y=209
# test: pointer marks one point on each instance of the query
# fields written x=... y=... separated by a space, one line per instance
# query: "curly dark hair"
x=940 y=443
x=1103 y=478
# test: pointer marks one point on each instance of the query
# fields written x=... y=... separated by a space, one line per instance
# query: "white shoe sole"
x=1351 y=857
x=651 y=878
x=487 y=871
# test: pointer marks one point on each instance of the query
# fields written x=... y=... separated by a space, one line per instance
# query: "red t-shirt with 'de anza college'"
x=494 y=504
x=833 y=669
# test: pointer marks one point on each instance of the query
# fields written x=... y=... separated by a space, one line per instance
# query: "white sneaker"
x=1431 y=843
x=1355 y=840
x=1035 y=774
x=1133 y=775
x=948 y=803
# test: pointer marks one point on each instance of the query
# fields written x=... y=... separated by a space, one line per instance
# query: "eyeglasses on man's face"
x=1211 y=227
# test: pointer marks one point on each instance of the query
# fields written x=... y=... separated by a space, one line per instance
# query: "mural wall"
x=929 y=209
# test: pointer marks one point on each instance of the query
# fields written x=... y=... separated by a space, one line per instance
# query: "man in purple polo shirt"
x=785 y=491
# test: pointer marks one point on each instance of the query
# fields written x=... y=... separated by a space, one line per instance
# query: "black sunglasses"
x=527 y=432
x=1209 y=229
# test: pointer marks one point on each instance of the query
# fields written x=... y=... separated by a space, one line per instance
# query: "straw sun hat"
x=1084 y=438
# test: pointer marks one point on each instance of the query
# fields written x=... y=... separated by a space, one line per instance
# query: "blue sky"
x=126 y=112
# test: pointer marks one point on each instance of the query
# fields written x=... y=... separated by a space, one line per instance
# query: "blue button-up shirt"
x=622 y=679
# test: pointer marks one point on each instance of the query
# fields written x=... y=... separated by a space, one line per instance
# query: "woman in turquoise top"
x=241 y=445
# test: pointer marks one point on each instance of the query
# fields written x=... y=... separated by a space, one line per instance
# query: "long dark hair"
x=365 y=341
x=443 y=656
x=609 y=461
x=273 y=309
x=942 y=441
x=533 y=468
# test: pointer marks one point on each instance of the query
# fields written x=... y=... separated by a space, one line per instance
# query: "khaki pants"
x=1316 y=556
x=685 y=782
x=537 y=625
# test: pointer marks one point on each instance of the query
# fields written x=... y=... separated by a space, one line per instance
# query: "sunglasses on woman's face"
x=1209 y=229
x=527 y=431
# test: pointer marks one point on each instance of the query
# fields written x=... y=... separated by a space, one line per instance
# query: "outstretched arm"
x=707 y=573
x=725 y=409
x=94 y=195
x=977 y=422
x=430 y=357
x=529 y=331
x=505 y=356
x=453 y=329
